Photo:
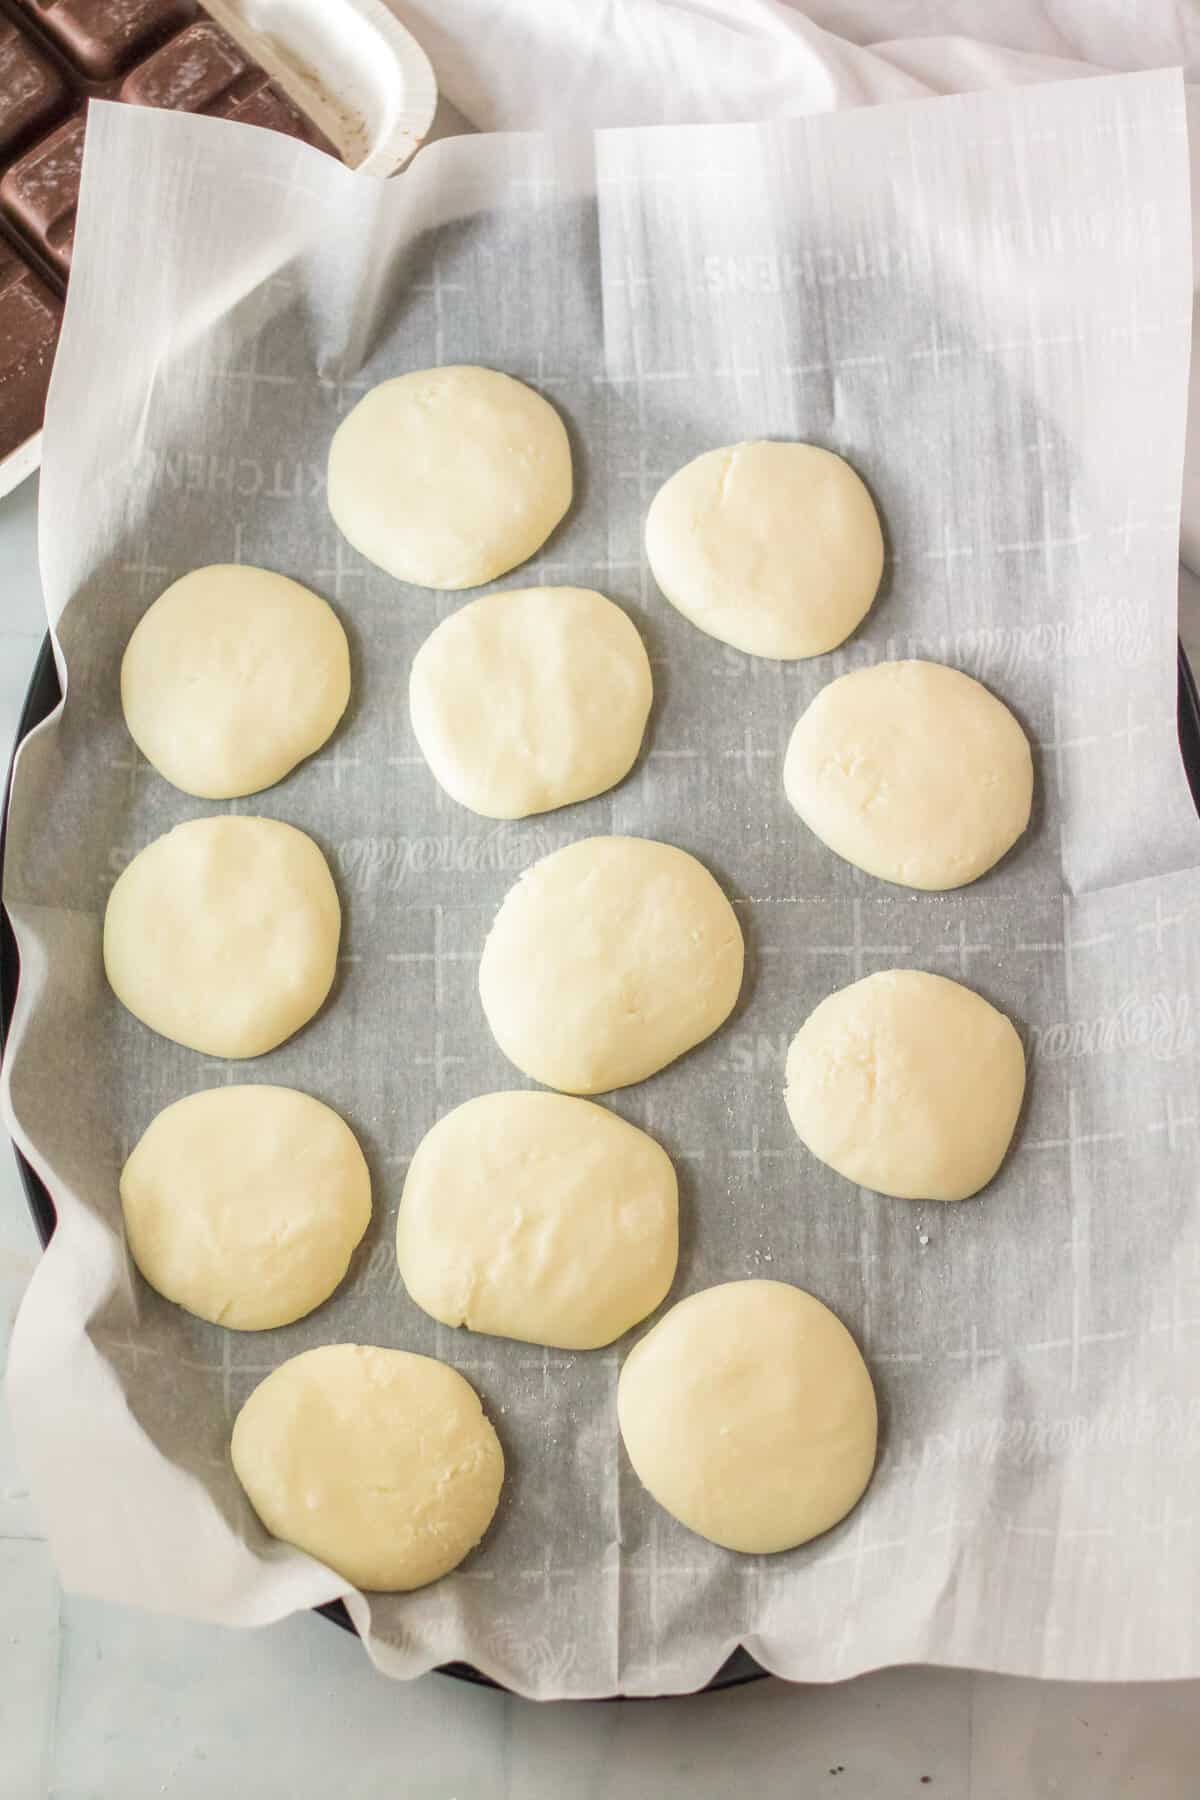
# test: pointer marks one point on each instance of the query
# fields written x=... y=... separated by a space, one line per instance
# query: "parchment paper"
x=984 y=303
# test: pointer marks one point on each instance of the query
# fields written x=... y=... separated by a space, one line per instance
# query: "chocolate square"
x=203 y=70
x=104 y=37
x=32 y=92
x=41 y=191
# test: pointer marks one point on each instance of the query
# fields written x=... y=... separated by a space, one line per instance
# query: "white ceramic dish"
x=351 y=67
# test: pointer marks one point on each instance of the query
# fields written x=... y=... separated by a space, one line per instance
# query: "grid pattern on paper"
x=672 y=321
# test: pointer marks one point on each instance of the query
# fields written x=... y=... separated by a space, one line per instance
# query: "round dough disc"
x=606 y=961
x=749 y=1414
x=913 y=772
x=907 y=1083
x=449 y=477
x=223 y=934
x=231 y=678
x=528 y=700
x=538 y=1217
x=244 y=1204
x=377 y=1462
x=773 y=548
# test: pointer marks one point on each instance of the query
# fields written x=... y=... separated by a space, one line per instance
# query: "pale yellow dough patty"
x=231 y=678
x=907 y=1083
x=607 y=960
x=538 y=1217
x=749 y=1414
x=377 y=1462
x=531 y=699
x=775 y=548
x=223 y=934
x=245 y=1204
x=449 y=477
x=913 y=772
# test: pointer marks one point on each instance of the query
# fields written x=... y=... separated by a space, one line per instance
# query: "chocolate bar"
x=56 y=55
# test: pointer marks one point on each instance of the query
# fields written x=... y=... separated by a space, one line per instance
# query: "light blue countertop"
x=98 y=1703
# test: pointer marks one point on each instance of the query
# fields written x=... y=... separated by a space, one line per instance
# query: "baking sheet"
x=985 y=304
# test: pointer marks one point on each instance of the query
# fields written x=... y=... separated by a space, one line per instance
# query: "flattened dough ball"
x=606 y=961
x=377 y=1462
x=244 y=1204
x=907 y=1083
x=528 y=700
x=773 y=548
x=749 y=1414
x=538 y=1217
x=449 y=477
x=232 y=677
x=913 y=772
x=223 y=934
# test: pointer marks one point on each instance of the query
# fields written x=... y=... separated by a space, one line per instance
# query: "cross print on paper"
x=861 y=362
x=1175 y=1324
x=440 y=1062
x=538 y=187
x=738 y=374
x=681 y=755
x=441 y=800
x=1173 y=1122
x=642 y=569
x=756 y=1156
x=547 y=1572
x=1054 y=340
x=801 y=371
x=1046 y=546
x=863 y=1259
x=1165 y=1527
x=1040 y=447
x=679 y=1152
x=545 y=1362
x=858 y=950
x=1068 y=944
x=342 y=384
x=337 y=760
x=438 y=956
x=963 y=949
x=630 y=280
x=439 y=289
x=1161 y=921
x=648 y=479
x=747 y=753
x=130 y=764
x=936 y=352
x=339 y=571
x=640 y=375
x=254 y=377
x=226 y=1072
x=551 y=565
x=856 y=1556
x=143 y=568
x=973 y=1355
x=947 y=551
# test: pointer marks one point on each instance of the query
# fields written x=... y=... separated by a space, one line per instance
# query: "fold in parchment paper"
x=984 y=304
